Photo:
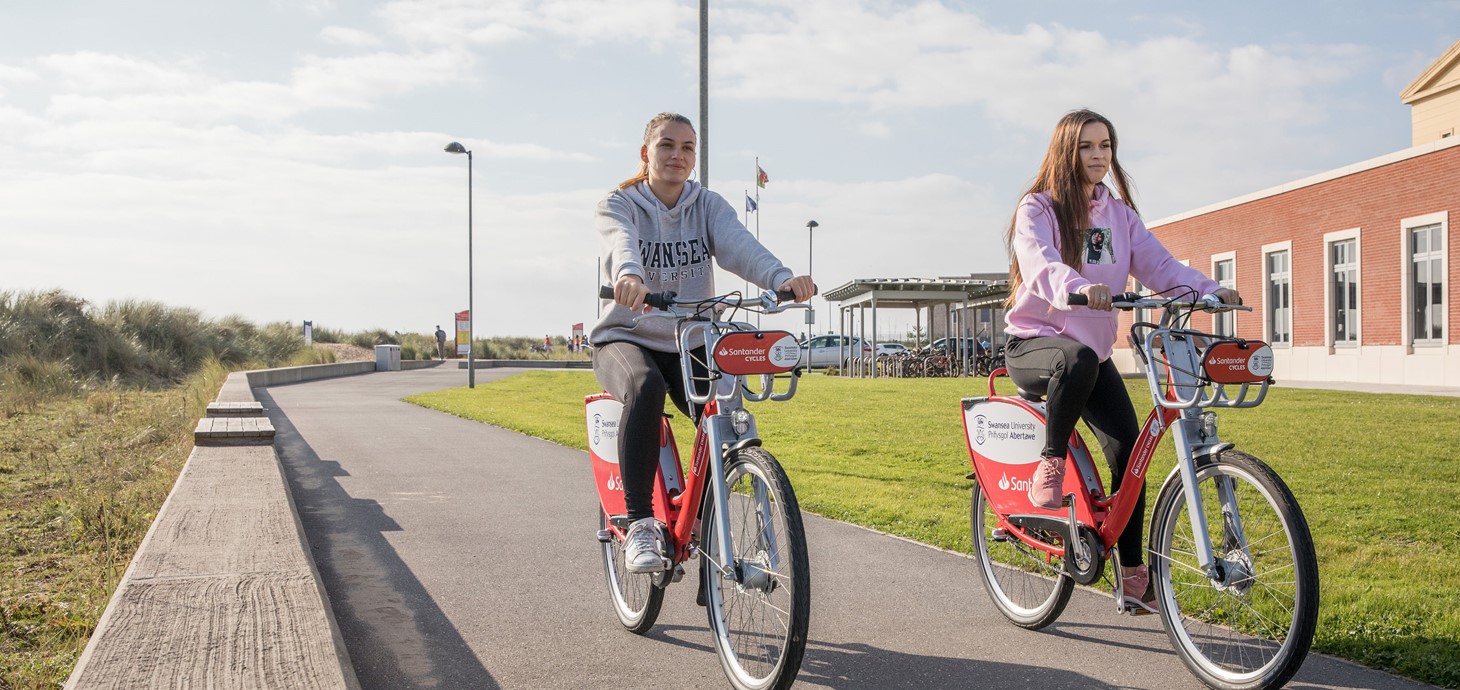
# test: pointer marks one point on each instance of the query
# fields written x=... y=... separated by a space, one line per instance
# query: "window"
x=1278 y=307
x=1343 y=318
x=1427 y=284
x=1224 y=271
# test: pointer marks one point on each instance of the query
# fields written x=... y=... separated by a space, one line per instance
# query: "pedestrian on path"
x=440 y=343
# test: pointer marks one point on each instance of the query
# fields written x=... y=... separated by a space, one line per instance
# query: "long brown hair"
x=657 y=120
x=1062 y=180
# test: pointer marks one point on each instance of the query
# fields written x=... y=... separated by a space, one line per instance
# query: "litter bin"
x=387 y=358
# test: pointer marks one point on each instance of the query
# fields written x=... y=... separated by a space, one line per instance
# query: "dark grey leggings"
x=639 y=378
x=1077 y=385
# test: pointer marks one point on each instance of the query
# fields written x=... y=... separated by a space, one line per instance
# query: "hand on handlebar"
x=801 y=286
x=1097 y=296
x=1228 y=296
x=630 y=291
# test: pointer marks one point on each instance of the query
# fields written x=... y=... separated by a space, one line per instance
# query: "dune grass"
x=81 y=478
x=1371 y=472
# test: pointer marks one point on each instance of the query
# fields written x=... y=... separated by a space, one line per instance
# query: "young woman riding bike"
x=659 y=231
x=1071 y=235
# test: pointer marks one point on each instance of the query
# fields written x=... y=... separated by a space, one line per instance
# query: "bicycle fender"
x=741 y=444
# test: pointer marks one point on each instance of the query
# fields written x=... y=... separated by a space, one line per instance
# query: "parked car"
x=891 y=349
x=970 y=345
x=827 y=350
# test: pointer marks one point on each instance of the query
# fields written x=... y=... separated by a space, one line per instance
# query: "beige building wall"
x=1434 y=99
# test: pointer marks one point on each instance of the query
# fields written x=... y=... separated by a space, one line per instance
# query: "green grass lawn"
x=1376 y=475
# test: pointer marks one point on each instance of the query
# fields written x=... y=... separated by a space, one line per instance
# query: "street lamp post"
x=471 y=324
x=810 y=231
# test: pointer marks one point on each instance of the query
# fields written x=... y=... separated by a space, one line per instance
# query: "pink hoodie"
x=1041 y=304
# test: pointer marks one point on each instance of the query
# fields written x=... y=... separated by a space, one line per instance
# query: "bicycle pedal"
x=1000 y=535
x=605 y=536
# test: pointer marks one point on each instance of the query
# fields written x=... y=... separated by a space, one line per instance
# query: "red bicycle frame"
x=1004 y=435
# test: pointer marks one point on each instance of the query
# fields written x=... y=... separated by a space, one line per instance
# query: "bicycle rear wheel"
x=635 y=596
x=1028 y=586
x=759 y=616
x=1253 y=628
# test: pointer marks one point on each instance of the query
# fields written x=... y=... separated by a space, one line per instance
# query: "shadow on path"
x=396 y=634
x=857 y=666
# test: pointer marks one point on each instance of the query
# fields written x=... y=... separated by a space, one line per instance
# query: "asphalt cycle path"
x=461 y=555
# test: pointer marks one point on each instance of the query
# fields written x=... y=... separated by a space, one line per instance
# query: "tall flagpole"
x=747 y=224
x=757 y=217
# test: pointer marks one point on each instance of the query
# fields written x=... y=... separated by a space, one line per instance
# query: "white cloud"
x=16 y=75
x=97 y=86
x=100 y=73
x=357 y=81
x=345 y=36
x=874 y=128
x=457 y=22
x=312 y=7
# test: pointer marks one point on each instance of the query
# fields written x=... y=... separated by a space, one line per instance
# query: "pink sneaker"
x=1135 y=584
x=1045 y=485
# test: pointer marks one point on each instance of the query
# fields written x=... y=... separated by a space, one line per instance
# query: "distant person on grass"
x=440 y=343
x=659 y=231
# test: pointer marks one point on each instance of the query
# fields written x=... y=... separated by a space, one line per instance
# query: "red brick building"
x=1351 y=272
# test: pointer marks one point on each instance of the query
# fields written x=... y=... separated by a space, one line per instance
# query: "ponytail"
x=638 y=177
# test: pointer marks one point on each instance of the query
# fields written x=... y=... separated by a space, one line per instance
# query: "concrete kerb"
x=223 y=584
x=529 y=363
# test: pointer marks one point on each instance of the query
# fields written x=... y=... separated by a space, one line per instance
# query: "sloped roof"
x=1442 y=75
x=913 y=293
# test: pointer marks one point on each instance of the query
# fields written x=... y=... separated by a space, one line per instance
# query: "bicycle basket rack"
x=1203 y=374
x=737 y=351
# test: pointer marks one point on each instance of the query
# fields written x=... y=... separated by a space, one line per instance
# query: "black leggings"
x=1077 y=385
x=639 y=378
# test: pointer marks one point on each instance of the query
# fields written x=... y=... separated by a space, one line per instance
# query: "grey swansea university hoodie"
x=671 y=249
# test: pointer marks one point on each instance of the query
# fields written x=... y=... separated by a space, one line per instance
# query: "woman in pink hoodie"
x=1071 y=236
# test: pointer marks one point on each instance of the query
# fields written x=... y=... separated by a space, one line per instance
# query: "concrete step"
x=234 y=431
x=235 y=409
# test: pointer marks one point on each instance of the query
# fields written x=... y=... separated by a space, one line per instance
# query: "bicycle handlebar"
x=664 y=300
x=1133 y=300
x=1078 y=300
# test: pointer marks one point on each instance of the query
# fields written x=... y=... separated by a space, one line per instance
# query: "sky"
x=283 y=160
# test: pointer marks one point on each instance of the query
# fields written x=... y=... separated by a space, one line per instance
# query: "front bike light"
x=1208 y=424
x=740 y=421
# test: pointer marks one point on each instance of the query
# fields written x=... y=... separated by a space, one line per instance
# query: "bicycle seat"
x=1036 y=394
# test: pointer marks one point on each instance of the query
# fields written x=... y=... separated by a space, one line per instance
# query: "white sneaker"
x=644 y=547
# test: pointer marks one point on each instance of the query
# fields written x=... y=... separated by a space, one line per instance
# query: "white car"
x=827 y=350
x=891 y=349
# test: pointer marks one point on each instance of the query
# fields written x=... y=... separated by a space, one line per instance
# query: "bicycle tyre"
x=1027 y=586
x=1254 y=629
x=759 y=627
x=634 y=596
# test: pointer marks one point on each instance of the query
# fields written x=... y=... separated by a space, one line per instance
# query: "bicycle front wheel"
x=759 y=604
x=1252 y=626
x=635 y=596
x=1028 y=586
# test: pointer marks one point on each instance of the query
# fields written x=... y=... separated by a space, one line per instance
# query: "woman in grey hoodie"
x=659 y=231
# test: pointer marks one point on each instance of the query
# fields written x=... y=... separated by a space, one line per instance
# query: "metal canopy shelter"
x=911 y=293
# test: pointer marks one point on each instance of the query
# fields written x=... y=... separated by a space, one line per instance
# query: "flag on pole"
x=760 y=177
x=750 y=204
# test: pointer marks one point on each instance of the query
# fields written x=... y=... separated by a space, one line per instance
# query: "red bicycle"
x=1232 y=560
x=755 y=579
